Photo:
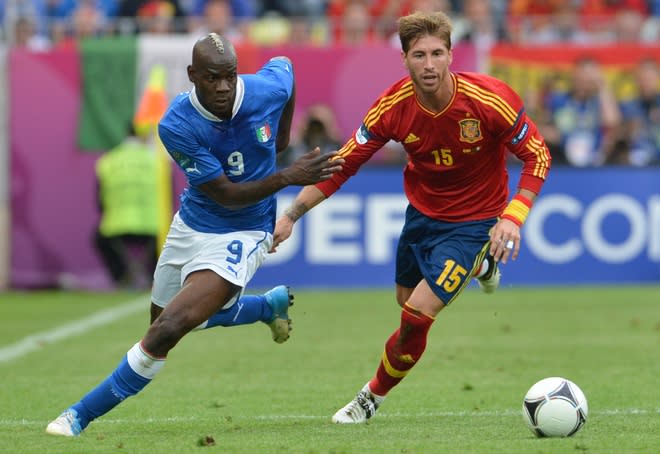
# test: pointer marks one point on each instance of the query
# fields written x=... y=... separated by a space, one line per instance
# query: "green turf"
x=233 y=390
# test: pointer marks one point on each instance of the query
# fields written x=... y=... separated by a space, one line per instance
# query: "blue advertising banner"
x=588 y=226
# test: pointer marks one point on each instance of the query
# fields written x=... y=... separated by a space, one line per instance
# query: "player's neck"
x=440 y=99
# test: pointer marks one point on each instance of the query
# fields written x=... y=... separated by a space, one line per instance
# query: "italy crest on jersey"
x=263 y=132
x=470 y=130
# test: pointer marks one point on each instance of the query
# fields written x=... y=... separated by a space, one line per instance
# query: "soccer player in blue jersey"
x=224 y=134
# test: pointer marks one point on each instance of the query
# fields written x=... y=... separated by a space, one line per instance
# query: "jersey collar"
x=240 y=93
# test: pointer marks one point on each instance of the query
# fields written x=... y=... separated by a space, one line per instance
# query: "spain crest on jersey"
x=263 y=133
x=470 y=130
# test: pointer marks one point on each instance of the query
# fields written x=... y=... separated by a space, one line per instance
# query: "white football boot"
x=360 y=409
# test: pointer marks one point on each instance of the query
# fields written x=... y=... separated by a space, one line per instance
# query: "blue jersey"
x=242 y=148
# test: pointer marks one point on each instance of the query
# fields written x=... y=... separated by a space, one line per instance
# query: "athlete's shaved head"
x=213 y=72
x=212 y=47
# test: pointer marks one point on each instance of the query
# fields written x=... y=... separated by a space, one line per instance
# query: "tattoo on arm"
x=296 y=211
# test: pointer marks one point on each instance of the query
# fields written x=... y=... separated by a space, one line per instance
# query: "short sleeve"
x=196 y=161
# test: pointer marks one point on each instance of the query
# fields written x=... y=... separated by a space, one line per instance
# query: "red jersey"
x=456 y=167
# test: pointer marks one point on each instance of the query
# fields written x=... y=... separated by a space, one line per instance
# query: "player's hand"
x=312 y=167
x=504 y=241
x=283 y=229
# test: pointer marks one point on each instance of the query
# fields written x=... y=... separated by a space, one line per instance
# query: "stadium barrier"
x=596 y=225
x=589 y=226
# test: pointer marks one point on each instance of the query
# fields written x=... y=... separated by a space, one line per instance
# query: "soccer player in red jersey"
x=457 y=129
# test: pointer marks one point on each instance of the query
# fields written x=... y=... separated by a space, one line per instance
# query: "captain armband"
x=517 y=210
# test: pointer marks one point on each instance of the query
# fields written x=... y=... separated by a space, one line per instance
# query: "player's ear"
x=191 y=73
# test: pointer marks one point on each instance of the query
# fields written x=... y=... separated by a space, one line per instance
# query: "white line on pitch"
x=37 y=341
x=449 y=414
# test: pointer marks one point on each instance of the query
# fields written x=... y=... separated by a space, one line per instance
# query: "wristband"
x=517 y=210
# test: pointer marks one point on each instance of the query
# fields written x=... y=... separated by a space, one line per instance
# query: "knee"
x=164 y=333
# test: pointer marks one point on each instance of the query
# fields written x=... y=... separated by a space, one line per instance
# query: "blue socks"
x=248 y=309
x=133 y=373
x=138 y=368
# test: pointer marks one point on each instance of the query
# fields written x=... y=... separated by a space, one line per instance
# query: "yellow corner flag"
x=151 y=108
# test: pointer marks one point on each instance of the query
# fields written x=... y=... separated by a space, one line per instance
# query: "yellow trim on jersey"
x=347 y=148
x=386 y=104
x=373 y=112
x=540 y=151
x=391 y=371
x=488 y=98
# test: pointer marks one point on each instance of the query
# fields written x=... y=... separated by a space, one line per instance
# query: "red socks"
x=402 y=350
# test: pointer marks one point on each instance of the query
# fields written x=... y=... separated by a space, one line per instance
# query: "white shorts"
x=233 y=256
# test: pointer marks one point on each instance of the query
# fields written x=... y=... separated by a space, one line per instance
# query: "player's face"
x=428 y=61
x=215 y=86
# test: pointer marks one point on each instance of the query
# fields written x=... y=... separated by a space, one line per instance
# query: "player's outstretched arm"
x=307 y=198
x=310 y=168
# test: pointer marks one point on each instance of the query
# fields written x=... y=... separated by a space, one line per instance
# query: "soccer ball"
x=555 y=407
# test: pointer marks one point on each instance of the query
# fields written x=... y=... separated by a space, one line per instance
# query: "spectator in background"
x=641 y=118
x=601 y=15
x=581 y=124
x=627 y=27
x=357 y=26
x=154 y=16
x=569 y=26
x=242 y=10
x=527 y=18
x=301 y=32
x=318 y=128
x=352 y=23
x=26 y=36
x=127 y=195
x=293 y=8
x=548 y=22
x=86 y=21
x=478 y=26
x=218 y=17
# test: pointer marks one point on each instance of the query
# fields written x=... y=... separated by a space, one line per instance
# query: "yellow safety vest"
x=128 y=190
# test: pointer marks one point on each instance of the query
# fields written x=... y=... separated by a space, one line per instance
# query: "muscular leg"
x=402 y=351
x=246 y=310
x=203 y=293
x=407 y=344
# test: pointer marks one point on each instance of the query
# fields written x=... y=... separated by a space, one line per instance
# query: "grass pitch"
x=233 y=390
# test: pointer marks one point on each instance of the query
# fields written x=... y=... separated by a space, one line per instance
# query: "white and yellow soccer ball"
x=555 y=407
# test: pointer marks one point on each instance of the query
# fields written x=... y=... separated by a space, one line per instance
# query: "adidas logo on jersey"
x=411 y=138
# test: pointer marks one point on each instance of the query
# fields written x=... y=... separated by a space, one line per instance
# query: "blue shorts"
x=446 y=254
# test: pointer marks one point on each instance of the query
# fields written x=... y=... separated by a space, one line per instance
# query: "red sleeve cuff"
x=530 y=183
x=327 y=187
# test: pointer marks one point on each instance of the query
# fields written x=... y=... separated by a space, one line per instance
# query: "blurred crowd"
x=584 y=123
x=41 y=24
